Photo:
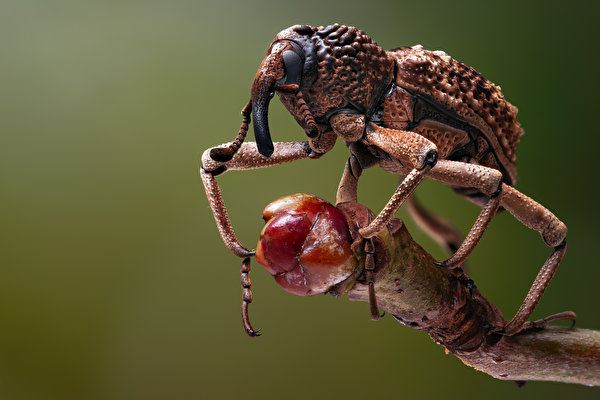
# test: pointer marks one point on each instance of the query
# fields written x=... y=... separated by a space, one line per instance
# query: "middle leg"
x=475 y=234
x=485 y=179
x=414 y=152
x=410 y=148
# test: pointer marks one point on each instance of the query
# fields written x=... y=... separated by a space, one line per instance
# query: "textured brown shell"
x=349 y=68
x=460 y=88
x=345 y=69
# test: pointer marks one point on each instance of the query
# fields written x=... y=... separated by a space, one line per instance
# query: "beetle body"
x=416 y=113
x=454 y=106
x=407 y=88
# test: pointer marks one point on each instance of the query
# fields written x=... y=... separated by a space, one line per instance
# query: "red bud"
x=305 y=244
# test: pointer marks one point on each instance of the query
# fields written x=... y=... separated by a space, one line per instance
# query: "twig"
x=424 y=296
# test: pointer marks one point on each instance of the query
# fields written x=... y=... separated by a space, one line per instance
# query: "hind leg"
x=554 y=232
x=529 y=213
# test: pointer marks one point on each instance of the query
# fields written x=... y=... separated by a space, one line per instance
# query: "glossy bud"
x=305 y=244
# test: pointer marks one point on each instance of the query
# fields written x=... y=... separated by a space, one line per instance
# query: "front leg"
x=416 y=151
x=247 y=157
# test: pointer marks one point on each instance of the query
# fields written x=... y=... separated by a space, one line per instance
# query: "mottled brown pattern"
x=462 y=89
x=397 y=110
x=350 y=68
x=411 y=111
x=489 y=160
x=445 y=138
x=534 y=215
x=482 y=148
x=346 y=71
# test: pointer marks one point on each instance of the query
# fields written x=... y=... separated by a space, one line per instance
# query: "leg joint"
x=430 y=159
x=215 y=172
x=561 y=245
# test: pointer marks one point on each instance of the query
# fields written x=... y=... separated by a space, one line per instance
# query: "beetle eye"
x=293 y=67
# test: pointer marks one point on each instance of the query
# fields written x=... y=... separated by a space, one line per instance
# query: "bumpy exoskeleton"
x=414 y=112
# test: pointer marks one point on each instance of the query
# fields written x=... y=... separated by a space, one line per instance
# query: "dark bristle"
x=221 y=154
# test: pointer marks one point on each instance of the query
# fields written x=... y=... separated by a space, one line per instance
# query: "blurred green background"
x=114 y=283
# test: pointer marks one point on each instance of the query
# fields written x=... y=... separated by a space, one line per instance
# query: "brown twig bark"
x=455 y=314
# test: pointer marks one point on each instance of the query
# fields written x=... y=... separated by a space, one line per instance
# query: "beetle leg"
x=527 y=211
x=247 y=157
x=455 y=173
x=347 y=189
x=412 y=150
x=247 y=298
x=347 y=192
x=440 y=230
x=519 y=321
x=405 y=189
x=534 y=216
x=541 y=323
x=475 y=234
x=215 y=199
x=485 y=179
x=370 y=278
x=554 y=232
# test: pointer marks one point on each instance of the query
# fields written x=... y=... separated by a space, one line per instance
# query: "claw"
x=447 y=264
x=358 y=215
x=247 y=298
x=254 y=333
x=542 y=323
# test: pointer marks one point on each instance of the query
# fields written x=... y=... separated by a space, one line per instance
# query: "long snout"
x=262 y=92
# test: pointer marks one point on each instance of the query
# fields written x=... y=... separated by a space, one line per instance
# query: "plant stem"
x=423 y=296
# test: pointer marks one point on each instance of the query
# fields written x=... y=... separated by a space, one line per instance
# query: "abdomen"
x=455 y=107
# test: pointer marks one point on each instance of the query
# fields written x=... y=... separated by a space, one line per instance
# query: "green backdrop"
x=114 y=283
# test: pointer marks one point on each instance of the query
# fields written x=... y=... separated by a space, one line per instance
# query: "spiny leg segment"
x=528 y=212
x=370 y=278
x=247 y=298
x=475 y=234
x=415 y=150
x=247 y=157
x=554 y=232
x=412 y=149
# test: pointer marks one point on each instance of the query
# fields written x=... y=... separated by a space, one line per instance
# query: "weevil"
x=413 y=112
